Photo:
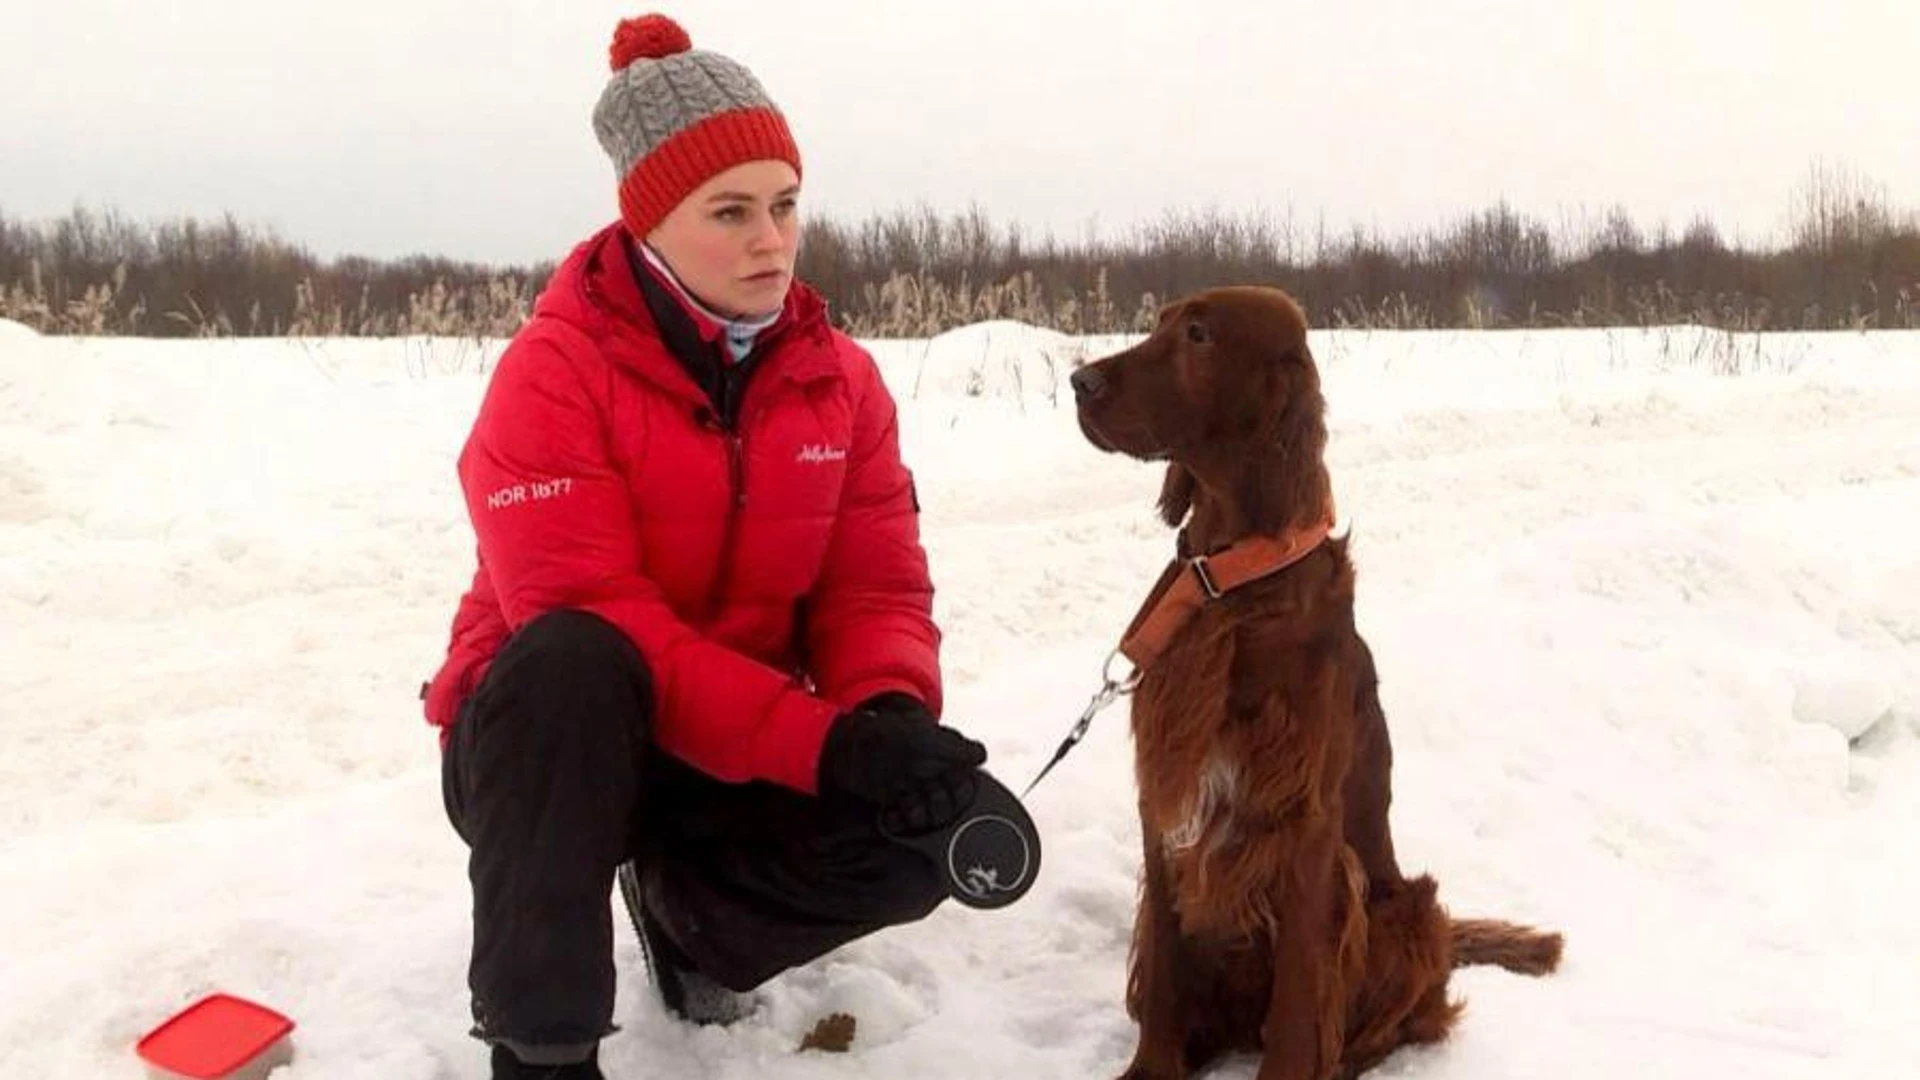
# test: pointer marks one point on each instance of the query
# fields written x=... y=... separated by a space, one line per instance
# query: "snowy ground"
x=1647 y=606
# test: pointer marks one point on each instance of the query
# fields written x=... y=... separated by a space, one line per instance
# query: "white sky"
x=461 y=128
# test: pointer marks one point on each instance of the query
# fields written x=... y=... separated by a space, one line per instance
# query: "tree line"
x=1849 y=260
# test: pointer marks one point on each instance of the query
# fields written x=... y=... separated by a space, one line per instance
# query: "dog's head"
x=1226 y=376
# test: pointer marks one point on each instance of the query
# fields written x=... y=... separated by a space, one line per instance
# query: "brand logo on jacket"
x=819 y=454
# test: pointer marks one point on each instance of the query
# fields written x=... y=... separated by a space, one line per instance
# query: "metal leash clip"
x=1111 y=690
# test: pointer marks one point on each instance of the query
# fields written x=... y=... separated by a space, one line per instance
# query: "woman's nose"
x=767 y=234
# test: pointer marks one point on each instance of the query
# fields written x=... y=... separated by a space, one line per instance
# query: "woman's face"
x=732 y=242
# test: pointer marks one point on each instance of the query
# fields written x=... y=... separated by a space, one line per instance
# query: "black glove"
x=889 y=752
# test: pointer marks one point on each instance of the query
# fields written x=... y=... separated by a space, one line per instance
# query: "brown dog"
x=1274 y=917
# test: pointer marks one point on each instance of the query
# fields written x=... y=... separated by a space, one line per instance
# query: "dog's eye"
x=1197 y=333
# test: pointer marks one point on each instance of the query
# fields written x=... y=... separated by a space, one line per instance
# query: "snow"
x=1000 y=359
x=1646 y=605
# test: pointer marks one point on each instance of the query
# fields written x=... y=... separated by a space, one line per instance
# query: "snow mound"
x=1002 y=359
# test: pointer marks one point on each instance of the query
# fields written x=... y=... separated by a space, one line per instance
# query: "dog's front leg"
x=1319 y=914
x=1156 y=996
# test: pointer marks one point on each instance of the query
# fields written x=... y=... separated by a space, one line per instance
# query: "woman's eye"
x=731 y=214
x=784 y=207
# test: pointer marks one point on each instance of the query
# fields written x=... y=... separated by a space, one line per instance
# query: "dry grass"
x=1851 y=262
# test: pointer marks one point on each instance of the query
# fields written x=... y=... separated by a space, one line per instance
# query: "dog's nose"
x=1088 y=384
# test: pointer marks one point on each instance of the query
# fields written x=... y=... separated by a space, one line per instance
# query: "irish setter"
x=1273 y=917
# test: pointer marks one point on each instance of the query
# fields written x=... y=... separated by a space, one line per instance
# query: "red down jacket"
x=771 y=575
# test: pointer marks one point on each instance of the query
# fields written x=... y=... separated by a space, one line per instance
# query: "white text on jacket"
x=515 y=494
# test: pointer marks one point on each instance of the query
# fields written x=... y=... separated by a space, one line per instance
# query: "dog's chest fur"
x=1208 y=812
x=1204 y=844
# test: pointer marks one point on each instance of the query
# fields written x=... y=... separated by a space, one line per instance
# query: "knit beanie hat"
x=673 y=117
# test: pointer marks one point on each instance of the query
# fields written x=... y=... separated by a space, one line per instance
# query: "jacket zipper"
x=728 y=423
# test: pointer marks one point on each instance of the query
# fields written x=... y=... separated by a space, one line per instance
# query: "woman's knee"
x=562 y=675
x=574 y=650
x=570 y=642
x=569 y=697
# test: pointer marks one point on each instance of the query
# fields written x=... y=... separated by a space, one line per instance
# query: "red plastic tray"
x=214 y=1037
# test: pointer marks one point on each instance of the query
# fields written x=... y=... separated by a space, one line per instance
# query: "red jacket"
x=771 y=575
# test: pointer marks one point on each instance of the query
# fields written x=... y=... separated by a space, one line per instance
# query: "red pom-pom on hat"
x=649 y=37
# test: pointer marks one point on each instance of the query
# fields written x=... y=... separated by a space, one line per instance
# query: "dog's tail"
x=1519 y=949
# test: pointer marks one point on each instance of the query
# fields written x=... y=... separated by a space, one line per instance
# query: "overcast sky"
x=461 y=127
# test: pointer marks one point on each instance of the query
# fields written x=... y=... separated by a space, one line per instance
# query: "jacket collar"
x=597 y=290
x=657 y=278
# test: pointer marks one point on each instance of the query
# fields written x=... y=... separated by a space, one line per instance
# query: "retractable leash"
x=1111 y=690
x=990 y=855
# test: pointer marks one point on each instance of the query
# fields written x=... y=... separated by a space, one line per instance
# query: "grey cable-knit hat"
x=673 y=117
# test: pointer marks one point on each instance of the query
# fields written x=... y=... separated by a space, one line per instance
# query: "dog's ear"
x=1286 y=484
x=1176 y=494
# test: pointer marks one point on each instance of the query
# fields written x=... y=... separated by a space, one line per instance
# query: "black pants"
x=552 y=779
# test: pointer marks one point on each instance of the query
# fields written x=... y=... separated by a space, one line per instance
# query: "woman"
x=699 y=643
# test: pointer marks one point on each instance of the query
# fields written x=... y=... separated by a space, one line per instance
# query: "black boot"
x=508 y=1067
x=685 y=991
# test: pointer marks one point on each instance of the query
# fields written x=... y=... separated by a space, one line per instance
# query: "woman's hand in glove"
x=889 y=752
